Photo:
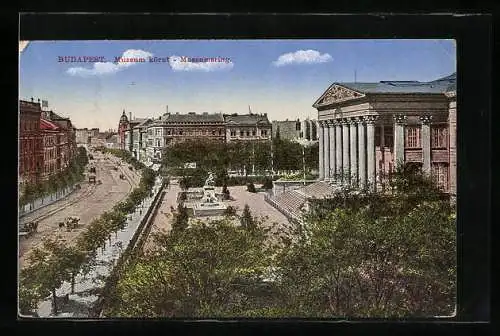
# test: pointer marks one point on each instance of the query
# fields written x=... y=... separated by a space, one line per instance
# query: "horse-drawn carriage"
x=27 y=229
x=70 y=223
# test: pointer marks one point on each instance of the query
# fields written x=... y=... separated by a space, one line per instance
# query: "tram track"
x=129 y=178
x=50 y=213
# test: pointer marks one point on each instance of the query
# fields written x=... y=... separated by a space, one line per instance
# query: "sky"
x=282 y=78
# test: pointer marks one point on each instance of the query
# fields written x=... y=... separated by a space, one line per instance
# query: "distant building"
x=309 y=130
x=67 y=137
x=295 y=129
x=112 y=141
x=247 y=127
x=122 y=128
x=139 y=139
x=181 y=127
x=82 y=136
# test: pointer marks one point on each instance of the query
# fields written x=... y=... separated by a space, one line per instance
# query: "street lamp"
x=304 y=143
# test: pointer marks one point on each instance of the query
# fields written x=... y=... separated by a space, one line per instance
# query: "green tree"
x=268 y=184
x=373 y=255
x=251 y=187
x=247 y=220
x=46 y=272
x=230 y=211
x=207 y=271
x=181 y=218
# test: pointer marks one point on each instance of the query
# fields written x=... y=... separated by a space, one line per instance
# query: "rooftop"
x=48 y=125
x=192 y=117
x=246 y=119
x=439 y=85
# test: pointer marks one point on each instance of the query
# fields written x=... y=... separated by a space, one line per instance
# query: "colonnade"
x=347 y=148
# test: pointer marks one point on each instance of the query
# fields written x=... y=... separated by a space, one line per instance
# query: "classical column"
x=426 y=143
x=321 y=156
x=353 y=146
x=361 y=154
x=345 y=151
x=399 y=139
x=332 y=148
x=338 y=149
x=370 y=150
x=326 y=149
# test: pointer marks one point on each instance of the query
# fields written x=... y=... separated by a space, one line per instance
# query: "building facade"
x=82 y=136
x=295 y=129
x=30 y=142
x=47 y=142
x=191 y=126
x=247 y=127
x=367 y=129
x=122 y=128
x=51 y=135
x=308 y=130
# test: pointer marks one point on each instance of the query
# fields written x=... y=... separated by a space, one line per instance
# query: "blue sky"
x=282 y=78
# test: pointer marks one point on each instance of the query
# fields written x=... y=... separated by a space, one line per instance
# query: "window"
x=248 y=133
x=439 y=137
x=297 y=126
x=412 y=137
x=168 y=132
x=213 y=132
x=440 y=174
x=220 y=132
x=241 y=133
x=264 y=132
x=180 y=132
x=388 y=136
x=233 y=133
x=253 y=133
x=158 y=131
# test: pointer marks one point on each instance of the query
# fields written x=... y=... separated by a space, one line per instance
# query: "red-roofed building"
x=30 y=142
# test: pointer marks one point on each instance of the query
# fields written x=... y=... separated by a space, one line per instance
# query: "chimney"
x=130 y=113
x=32 y=99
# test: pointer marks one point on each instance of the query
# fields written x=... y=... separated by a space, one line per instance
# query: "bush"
x=268 y=184
x=251 y=187
x=230 y=211
x=225 y=192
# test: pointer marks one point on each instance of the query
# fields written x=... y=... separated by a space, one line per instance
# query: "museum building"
x=366 y=129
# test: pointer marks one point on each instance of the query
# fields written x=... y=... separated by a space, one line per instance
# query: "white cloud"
x=303 y=57
x=104 y=68
x=178 y=63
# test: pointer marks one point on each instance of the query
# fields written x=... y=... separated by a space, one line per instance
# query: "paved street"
x=92 y=204
x=163 y=219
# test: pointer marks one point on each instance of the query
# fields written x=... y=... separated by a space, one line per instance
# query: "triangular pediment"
x=337 y=94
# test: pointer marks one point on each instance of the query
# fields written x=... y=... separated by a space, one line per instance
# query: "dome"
x=123 y=118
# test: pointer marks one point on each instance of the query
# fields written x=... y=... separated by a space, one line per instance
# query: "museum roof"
x=246 y=119
x=440 y=85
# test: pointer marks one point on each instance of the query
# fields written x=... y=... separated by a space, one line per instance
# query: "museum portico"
x=367 y=129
